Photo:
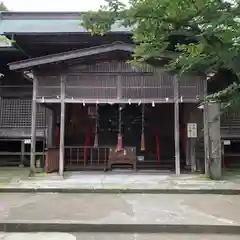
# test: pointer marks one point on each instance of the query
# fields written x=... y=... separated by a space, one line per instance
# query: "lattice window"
x=231 y=118
x=191 y=88
x=147 y=87
x=92 y=87
x=100 y=81
x=17 y=113
x=49 y=87
x=111 y=67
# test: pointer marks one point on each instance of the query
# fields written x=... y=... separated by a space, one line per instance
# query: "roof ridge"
x=40 y=15
x=79 y=53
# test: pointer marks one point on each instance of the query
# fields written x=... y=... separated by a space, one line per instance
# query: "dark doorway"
x=158 y=134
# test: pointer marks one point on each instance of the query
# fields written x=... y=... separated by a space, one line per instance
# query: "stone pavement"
x=107 y=236
x=12 y=174
x=154 y=182
x=120 y=213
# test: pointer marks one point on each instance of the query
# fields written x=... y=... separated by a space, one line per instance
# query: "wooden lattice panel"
x=16 y=113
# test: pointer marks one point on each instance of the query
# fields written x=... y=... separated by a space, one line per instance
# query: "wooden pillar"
x=50 y=128
x=33 y=128
x=193 y=118
x=176 y=126
x=188 y=148
x=62 y=127
x=188 y=153
x=0 y=105
x=54 y=143
x=193 y=154
x=22 y=153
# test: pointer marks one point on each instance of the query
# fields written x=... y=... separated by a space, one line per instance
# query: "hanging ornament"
x=119 y=139
x=96 y=141
x=119 y=143
x=96 y=129
x=142 y=148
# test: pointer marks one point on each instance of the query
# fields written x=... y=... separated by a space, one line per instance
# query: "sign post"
x=192 y=135
x=192 y=130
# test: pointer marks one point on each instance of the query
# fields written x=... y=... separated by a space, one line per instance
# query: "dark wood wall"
x=99 y=80
x=118 y=80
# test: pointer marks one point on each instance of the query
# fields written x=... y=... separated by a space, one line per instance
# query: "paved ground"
x=117 y=180
x=104 y=236
x=120 y=209
x=8 y=175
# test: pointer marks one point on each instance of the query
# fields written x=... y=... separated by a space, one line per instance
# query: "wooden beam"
x=33 y=128
x=62 y=126
x=113 y=100
x=176 y=126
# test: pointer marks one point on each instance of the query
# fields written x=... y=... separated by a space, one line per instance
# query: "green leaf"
x=204 y=33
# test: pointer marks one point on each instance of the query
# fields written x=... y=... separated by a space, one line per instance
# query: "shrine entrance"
x=142 y=103
x=147 y=131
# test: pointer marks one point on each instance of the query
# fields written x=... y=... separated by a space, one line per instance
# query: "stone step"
x=117 y=236
x=119 y=181
x=129 y=213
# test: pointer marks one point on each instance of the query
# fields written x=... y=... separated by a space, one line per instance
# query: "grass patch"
x=232 y=171
x=4 y=182
x=41 y=174
x=203 y=176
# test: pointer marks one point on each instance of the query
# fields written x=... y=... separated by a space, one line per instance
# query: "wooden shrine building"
x=84 y=106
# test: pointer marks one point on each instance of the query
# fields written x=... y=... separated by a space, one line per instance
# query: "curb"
x=123 y=191
x=120 y=228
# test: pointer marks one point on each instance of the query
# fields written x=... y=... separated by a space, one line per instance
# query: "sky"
x=52 y=5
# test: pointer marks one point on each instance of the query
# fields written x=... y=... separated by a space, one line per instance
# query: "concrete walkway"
x=113 y=182
x=142 y=213
x=108 y=236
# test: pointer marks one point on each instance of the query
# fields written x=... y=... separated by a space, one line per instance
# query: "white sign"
x=192 y=130
x=227 y=142
x=140 y=158
x=27 y=141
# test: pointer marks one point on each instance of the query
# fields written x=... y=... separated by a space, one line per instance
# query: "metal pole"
x=62 y=127
x=176 y=125
x=33 y=128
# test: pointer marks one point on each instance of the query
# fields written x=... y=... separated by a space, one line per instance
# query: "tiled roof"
x=33 y=22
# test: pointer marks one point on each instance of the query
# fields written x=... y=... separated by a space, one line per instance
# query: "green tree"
x=3 y=8
x=205 y=34
x=3 y=40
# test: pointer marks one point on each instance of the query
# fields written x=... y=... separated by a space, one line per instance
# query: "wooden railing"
x=87 y=157
x=90 y=157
